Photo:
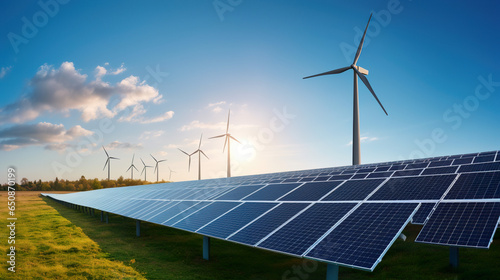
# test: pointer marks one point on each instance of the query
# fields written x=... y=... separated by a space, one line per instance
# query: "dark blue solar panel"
x=380 y=174
x=382 y=168
x=490 y=166
x=414 y=188
x=488 y=153
x=359 y=176
x=484 y=158
x=259 y=229
x=366 y=170
x=300 y=233
x=209 y=213
x=237 y=218
x=476 y=186
x=171 y=211
x=272 y=192
x=440 y=163
x=307 y=179
x=412 y=172
x=468 y=224
x=160 y=208
x=354 y=190
x=398 y=167
x=417 y=165
x=185 y=213
x=291 y=180
x=311 y=191
x=460 y=161
x=239 y=192
x=363 y=237
x=275 y=181
x=440 y=170
x=340 y=177
x=322 y=178
x=422 y=213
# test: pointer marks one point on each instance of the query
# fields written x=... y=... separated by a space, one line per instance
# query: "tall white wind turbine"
x=144 y=169
x=358 y=72
x=131 y=168
x=108 y=161
x=157 y=168
x=199 y=151
x=227 y=140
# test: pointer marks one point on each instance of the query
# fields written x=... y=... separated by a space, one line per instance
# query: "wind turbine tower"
x=108 y=161
x=227 y=140
x=199 y=151
x=131 y=168
x=144 y=169
x=157 y=168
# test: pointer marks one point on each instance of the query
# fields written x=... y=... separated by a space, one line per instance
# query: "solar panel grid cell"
x=414 y=188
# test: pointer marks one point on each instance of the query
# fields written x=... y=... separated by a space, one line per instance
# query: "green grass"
x=55 y=242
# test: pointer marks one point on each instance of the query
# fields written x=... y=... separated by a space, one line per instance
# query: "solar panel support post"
x=138 y=228
x=102 y=216
x=206 y=248
x=107 y=218
x=454 y=256
x=332 y=272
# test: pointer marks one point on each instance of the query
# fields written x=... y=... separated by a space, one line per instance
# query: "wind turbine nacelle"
x=361 y=69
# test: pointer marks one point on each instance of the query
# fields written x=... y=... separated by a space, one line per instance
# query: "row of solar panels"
x=349 y=222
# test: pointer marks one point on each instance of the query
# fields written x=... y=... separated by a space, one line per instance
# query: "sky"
x=146 y=78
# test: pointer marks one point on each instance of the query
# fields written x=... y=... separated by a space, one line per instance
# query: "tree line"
x=79 y=185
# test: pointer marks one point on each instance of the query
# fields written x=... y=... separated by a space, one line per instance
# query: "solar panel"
x=414 y=188
x=260 y=228
x=364 y=236
x=354 y=190
x=423 y=212
x=476 y=186
x=299 y=234
x=235 y=219
x=466 y=224
x=303 y=212
x=311 y=191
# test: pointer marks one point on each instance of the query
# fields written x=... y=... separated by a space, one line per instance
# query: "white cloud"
x=364 y=139
x=216 y=104
x=4 y=71
x=151 y=134
x=64 y=89
x=217 y=109
x=123 y=145
x=137 y=116
x=167 y=116
x=101 y=71
x=55 y=135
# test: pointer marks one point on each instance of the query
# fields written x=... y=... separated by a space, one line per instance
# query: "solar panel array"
x=347 y=215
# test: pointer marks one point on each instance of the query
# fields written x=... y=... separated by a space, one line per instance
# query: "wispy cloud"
x=55 y=135
x=123 y=145
x=137 y=116
x=65 y=88
x=4 y=71
x=364 y=139
x=101 y=71
x=212 y=126
x=151 y=134
x=216 y=107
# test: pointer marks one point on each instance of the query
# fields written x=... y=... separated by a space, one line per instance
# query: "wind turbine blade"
x=162 y=160
x=105 y=151
x=218 y=136
x=227 y=128
x=193 y=152
x=367 y=84
x=156 y=167
x=143 y=162
x=153 y=157
x=225 y=141
x=361 y=43
x=105 y=164
x=135 y=168
x=336 y=71
x=129 y=168
x=204 y=154
x=235 y=139
x=143 y=170
x=133 y=159
x=199 y=146
x=183 y=152
x=113 y=158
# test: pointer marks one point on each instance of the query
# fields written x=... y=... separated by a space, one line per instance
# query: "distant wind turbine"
x=189 y=165
x=358 y=72
x=144 y=169
x=131 y=168
x=227 y=140
x=108 y=161
x=170 y=175
x=199 y=151
x=157 y=168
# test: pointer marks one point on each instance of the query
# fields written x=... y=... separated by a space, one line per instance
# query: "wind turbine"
x=170 y=175
x=157 y=169
x=199 y=151
x=131 y=168
x=358 y=72
x=144 y=169
x=108 y=161
x=228 y=141
x=189 y=165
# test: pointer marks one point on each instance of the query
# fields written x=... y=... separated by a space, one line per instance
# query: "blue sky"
x=148 y=77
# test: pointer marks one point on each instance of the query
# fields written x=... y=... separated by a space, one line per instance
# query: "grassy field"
x=55 y=242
